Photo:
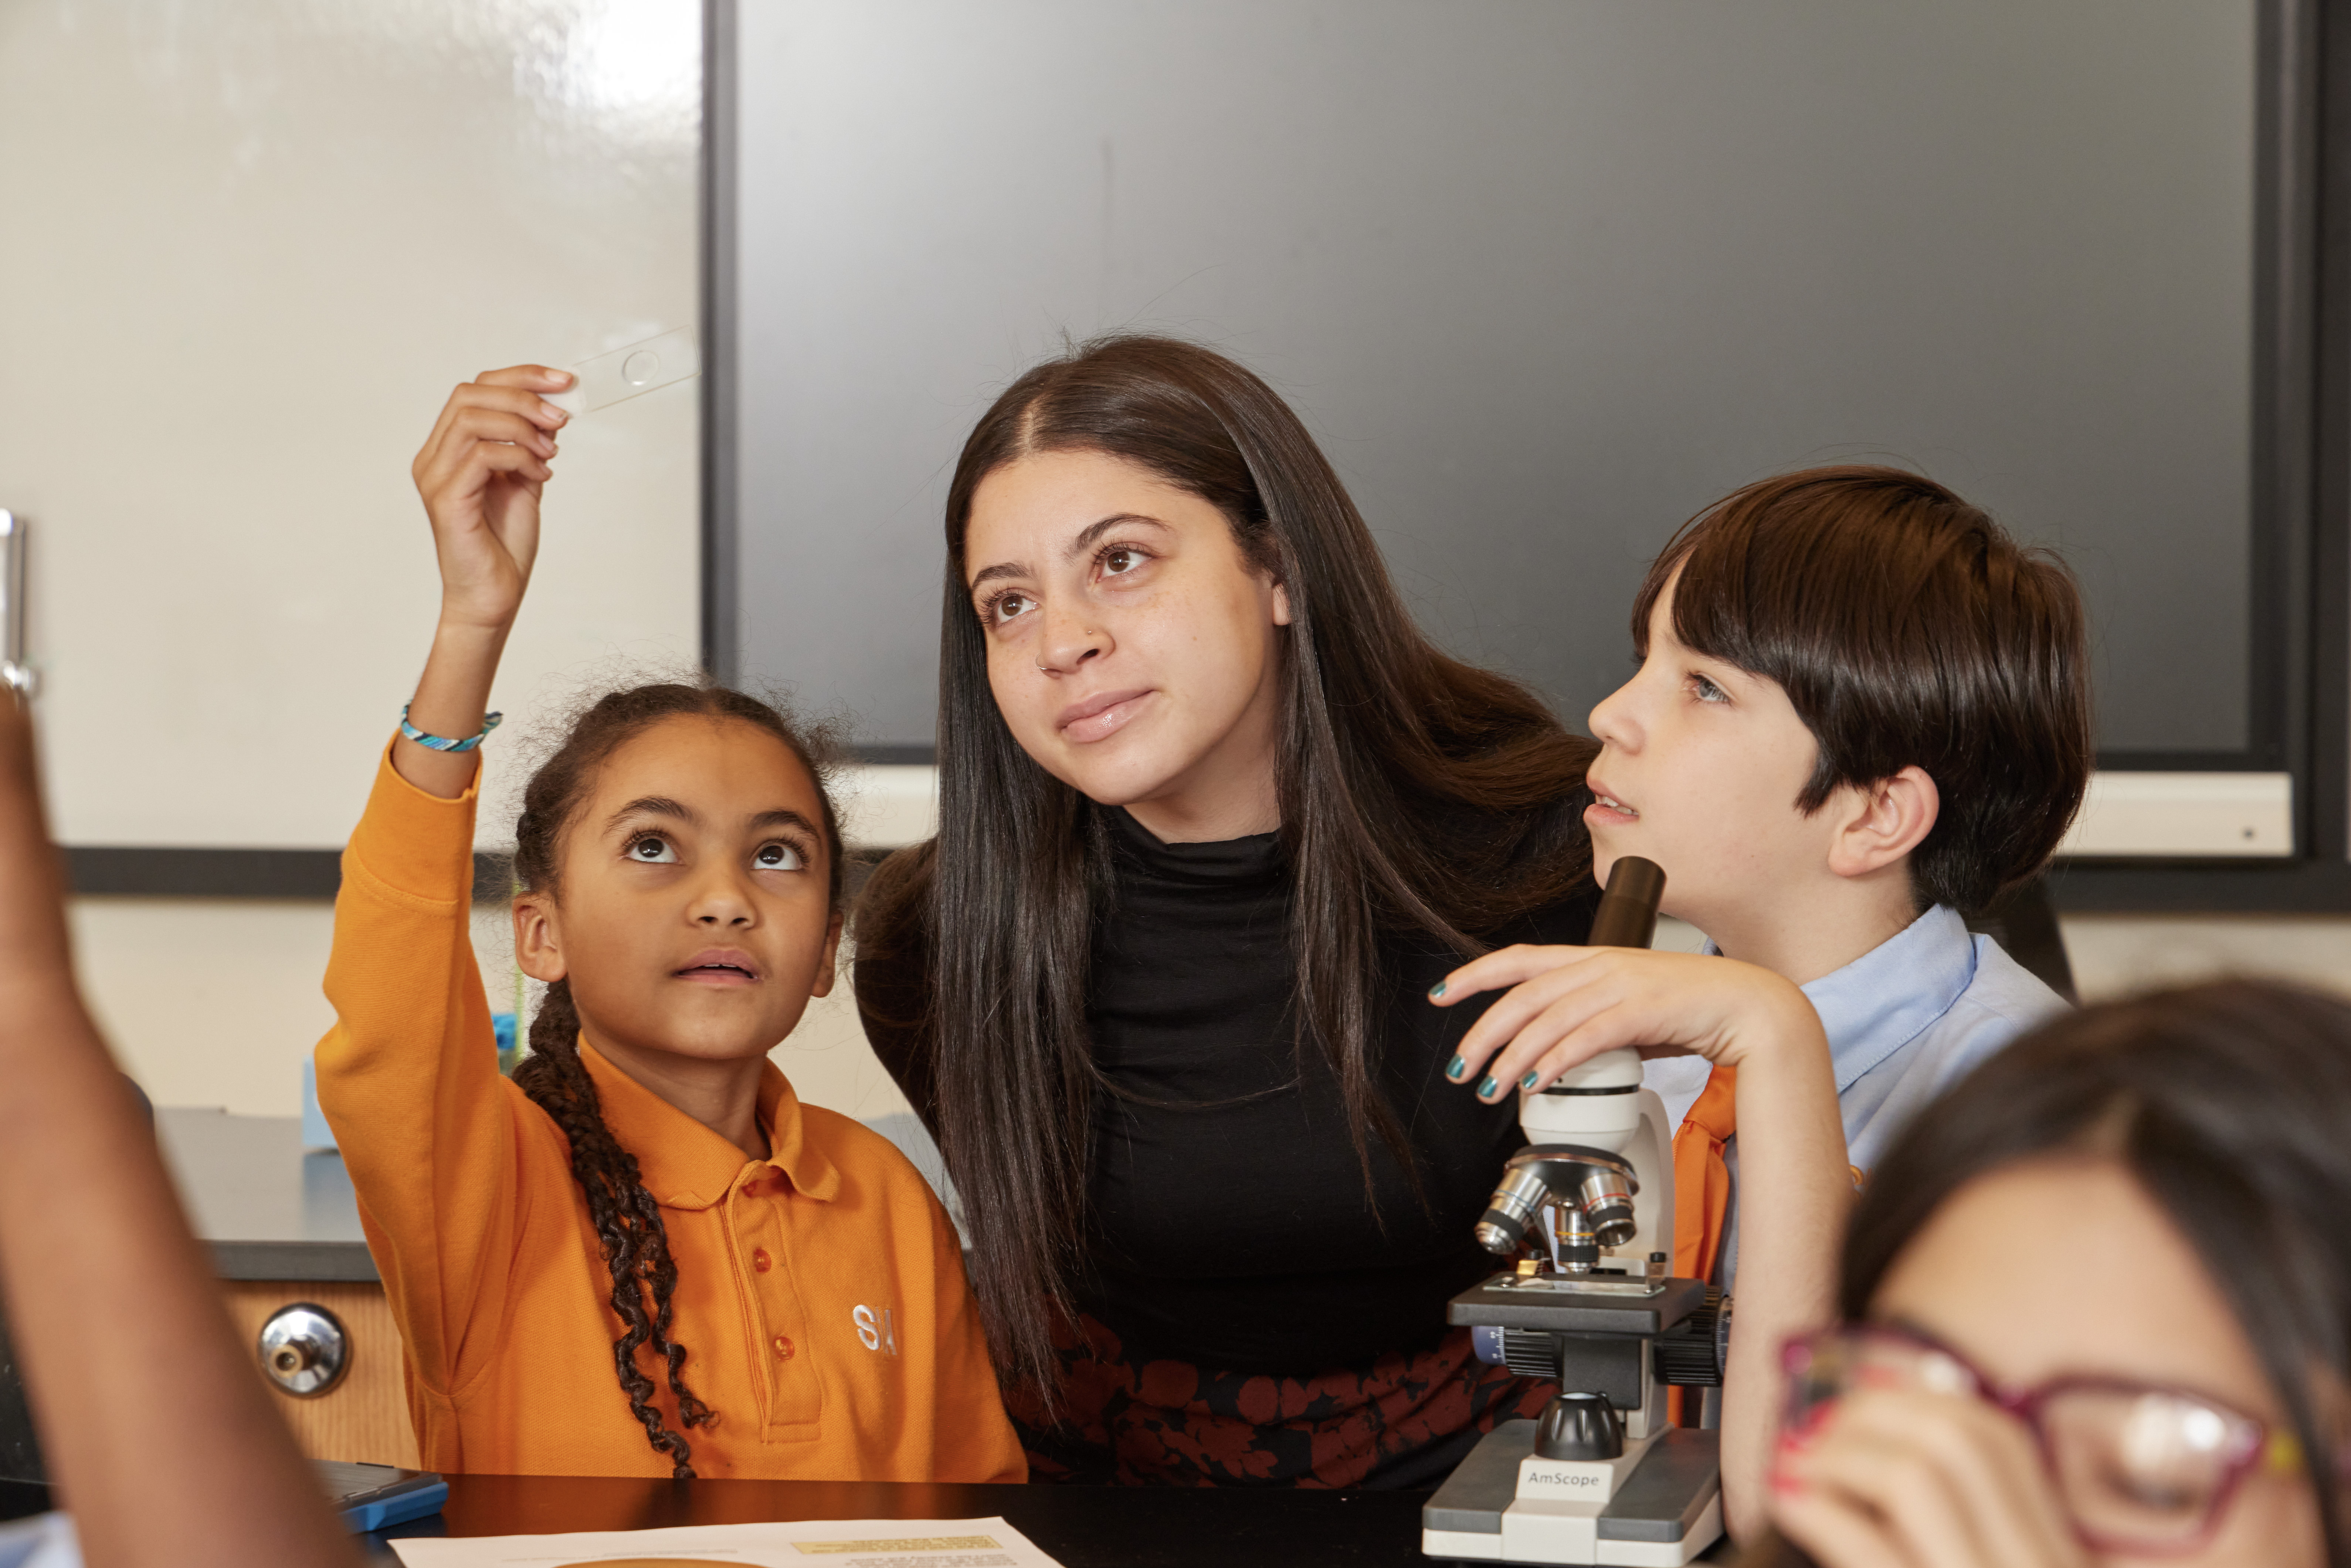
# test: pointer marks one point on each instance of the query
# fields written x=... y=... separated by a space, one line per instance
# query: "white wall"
x=2116 y=954
x=216 y=1002
x=208 y=1001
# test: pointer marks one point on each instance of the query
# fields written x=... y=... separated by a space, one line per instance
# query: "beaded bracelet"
x=442 y=742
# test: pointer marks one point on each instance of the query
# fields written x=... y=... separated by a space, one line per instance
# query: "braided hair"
x=626 y=1217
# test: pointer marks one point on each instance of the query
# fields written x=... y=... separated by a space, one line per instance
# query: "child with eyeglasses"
x=2097 y=1307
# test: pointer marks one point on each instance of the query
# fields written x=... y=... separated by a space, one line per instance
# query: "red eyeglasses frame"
x=2250 y=1440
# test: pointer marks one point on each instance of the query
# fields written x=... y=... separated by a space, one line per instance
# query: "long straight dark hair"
x=2228 y=1102
x=1418 y=794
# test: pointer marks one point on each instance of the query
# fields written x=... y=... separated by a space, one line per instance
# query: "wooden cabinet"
x=363 y=1417
x=283 y=1227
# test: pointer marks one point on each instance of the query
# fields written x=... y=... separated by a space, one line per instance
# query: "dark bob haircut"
x=1907 y=629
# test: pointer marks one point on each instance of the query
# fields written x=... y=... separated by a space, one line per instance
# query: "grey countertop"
x=267 y=1209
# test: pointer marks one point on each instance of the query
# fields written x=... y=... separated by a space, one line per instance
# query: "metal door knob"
x=304 y=1349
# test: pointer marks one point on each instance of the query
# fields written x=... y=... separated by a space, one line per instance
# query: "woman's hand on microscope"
x=1563 y=1006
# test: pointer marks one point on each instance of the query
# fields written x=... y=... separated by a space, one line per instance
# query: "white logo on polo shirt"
x=881 y=1336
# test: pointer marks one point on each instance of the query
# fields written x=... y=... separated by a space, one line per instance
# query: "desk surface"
x=1081 y=1527
x=267 y=1209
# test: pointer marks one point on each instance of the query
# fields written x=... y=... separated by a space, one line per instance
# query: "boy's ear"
x=538 y=945
x=1883 y=823
x=824 y=973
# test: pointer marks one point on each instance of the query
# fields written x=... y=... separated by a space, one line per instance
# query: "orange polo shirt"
x=821 y=1295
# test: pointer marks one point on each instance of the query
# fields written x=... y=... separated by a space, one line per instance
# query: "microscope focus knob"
x=1579 y=1427
x=1694 y=1351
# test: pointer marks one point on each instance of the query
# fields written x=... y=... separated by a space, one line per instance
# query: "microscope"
x=1585 y=1215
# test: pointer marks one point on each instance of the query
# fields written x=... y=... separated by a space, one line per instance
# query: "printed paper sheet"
x=827 y=1543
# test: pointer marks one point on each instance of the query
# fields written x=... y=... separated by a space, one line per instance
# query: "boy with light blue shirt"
x=1861 y=709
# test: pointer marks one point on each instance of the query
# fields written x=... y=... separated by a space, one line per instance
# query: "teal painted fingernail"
x=1488 y=1087
x=1436 y=990
x=1528 y=1080
x=1455 y=1068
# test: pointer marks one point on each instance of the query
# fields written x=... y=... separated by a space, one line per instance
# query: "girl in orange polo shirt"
x=643 y=1255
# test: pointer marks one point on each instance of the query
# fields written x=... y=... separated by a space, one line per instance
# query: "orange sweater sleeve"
x=408 y=1078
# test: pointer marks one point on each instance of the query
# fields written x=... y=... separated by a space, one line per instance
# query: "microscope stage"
x=1625 y=1308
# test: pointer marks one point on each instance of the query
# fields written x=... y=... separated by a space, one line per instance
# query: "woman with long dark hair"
x=1214 y=816
x=2098 y=1306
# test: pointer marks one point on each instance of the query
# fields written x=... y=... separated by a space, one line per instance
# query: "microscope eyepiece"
x=1626 y=916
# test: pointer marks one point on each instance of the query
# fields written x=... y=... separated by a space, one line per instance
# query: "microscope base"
x=1664 y=1513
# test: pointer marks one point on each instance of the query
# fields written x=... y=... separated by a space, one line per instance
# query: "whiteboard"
x=255 y=246
x=1543 y=278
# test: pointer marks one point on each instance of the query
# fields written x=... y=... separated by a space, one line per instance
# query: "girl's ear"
x=824 y=972
x=538 y=945
x=1281 y=605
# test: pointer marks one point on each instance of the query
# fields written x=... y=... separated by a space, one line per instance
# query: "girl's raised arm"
x=408 y=1077
x=480 y=473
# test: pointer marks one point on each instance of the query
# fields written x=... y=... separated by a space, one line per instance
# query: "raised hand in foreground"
x=163 y=1441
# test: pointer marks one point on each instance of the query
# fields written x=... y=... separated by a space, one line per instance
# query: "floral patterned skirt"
x=1403 y=1422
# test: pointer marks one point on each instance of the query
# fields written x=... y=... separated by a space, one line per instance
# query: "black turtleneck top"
x=1232 y=1227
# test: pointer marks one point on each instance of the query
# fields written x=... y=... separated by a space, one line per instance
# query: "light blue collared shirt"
x=1905 y=1020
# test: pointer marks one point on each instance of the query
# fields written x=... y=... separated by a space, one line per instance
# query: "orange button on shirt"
x=821 y=1295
